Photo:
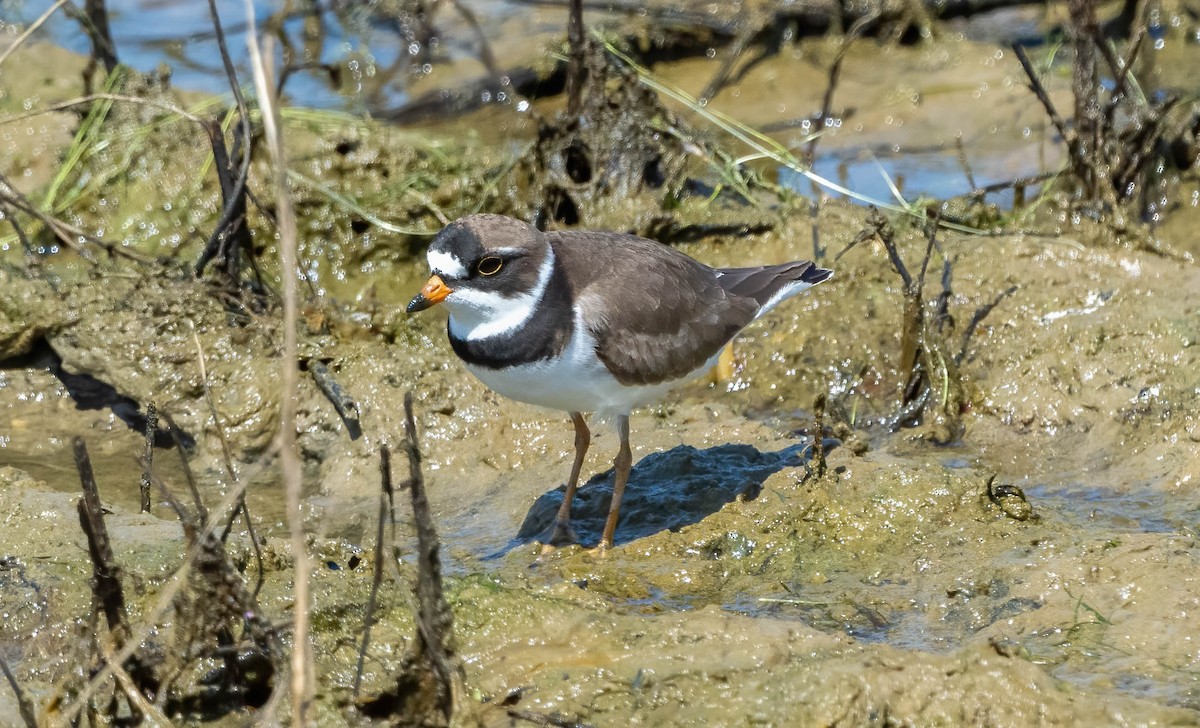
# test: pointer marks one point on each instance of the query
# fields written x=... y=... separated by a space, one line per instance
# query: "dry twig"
x=856 y=31
x=95 y=24
x=429 y=690
x=24 y=704
x=385 y=495
x=554 y=721
x=343 y=403
x=219 y=242
x=289 y=457
x=148 y=454
x=818 y=462
x=576 y=68
x=201 y=511
x=434 y=618
x=31 y=29
x=107 y=584
x=69 y=235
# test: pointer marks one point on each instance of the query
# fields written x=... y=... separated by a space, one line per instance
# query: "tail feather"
x=770 y=284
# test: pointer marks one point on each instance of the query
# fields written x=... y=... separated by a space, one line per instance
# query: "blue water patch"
x=927 y=173
x=148 y=33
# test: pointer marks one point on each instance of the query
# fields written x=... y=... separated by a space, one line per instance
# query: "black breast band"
x=543 y=335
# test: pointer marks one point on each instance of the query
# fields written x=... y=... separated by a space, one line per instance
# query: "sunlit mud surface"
x=743 y=588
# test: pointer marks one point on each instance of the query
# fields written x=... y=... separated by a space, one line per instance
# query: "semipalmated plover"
x=590 y=321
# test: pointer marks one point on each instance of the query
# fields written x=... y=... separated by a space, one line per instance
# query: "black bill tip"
x=417 y=304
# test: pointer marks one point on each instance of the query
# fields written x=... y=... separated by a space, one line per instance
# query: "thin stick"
x=107 y=584
x=1130 y=57
x=385 y=491
x=815 y=212
x=342 y=403
x=434 y=618
x=883 y=232
x=942 y=310
x=1014 y=182
x=1035 y=85
x=136 y=699
x=864 y=235
x=226 y=452
x=90 y=98
x=485 y=49
x=554 y=721
x=62 y=230
x=818 y=456
x=1116 y=66
x=30 y=30
x=835 y=72
x=228 y=242
x=26 y=243
x=231 y=202
x=28 y=714
x=148 y=454
x=980 y=314
x=181 y=512
x=289 y=458
x=931 y=228
x=201 y=511
x=576 y=69
x=748 y=32
x=101 y=35
x=964 y=162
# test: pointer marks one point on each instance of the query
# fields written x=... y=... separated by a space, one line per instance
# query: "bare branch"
x=289 y=458
x=31 y=29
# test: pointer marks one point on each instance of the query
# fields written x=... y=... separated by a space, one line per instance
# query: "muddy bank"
x=895 y=573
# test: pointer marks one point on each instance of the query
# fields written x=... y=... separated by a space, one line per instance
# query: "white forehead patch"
x=446 y=264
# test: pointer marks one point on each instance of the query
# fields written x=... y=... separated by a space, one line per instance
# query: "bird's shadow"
x=666 y=491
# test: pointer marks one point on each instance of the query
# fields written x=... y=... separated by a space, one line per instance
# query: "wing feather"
x=656 y=314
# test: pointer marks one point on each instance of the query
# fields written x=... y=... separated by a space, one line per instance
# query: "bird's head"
x=482 y=266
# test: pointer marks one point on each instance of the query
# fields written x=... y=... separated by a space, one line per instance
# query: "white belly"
x=576 y=381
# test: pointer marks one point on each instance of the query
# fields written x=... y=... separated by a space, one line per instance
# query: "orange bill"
x=434 y=292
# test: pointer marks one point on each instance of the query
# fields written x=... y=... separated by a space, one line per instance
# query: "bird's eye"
x=489 y=266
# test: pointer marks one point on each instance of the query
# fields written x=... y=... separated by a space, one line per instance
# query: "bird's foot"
x=601 y=550
x=561 y=534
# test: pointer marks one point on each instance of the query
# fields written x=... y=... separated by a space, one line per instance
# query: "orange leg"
x=622 y=462
x=562 y=533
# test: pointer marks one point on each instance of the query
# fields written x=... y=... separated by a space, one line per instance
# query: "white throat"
x=476 y=315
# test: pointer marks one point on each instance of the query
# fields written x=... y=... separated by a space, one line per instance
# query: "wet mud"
x=741 y=585
x=1041 y=569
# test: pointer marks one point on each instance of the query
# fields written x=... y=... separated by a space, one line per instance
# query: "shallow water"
x=1134 y=508
x=380 y=63
x=356 y=57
